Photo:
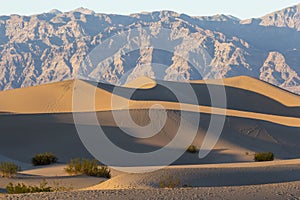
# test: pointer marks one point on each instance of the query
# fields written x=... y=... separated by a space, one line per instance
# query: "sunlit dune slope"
x=141 y=82
x=54 y=98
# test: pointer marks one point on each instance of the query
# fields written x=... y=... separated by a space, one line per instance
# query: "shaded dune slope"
x=23 y=136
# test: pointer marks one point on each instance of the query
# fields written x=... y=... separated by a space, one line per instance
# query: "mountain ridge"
x=51 y=46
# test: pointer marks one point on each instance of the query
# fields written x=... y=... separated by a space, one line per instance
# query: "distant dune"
x=246 y=97
x=251 y=84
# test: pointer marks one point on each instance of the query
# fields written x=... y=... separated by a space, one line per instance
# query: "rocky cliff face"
x=276 y=71
x=289 y=17
x=52 y=47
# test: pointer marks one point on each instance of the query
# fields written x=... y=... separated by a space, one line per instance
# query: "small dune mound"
x=141 y=83
x=47 y=171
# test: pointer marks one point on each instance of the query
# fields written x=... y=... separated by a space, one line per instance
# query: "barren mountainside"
x=52 y=46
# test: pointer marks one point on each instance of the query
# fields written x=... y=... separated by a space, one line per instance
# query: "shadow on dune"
x=232 y=176
x=23 y=136
x=237 y=99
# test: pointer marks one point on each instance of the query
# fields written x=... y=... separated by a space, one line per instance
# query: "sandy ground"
x=54 y=175
x=269 y=191
x=69 y=183
x=210 y=175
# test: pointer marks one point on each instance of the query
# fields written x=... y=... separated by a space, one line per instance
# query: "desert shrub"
x=43 y=187
x=192 y=149
x=22 y=188
x=169 y=182
x=187 y=186
x=44 y=159
x=263 y=156
x=87 y=167
x=8 y=169
x=60 y=188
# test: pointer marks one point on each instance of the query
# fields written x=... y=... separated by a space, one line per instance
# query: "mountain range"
x=52 y=46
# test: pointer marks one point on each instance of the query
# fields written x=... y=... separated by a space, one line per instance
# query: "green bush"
x=87 y=167
x=43 y=187
x=8 y=169
x=169 y=182
x=192 y=149
x=44 y=159
x=22 y=188
x=263 y=156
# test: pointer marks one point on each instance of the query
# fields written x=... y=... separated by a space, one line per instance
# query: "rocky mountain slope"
x=56 y=46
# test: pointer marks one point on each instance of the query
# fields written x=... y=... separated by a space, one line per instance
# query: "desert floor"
x=270 y=191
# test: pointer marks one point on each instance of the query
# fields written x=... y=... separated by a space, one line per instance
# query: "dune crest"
x=141 y=83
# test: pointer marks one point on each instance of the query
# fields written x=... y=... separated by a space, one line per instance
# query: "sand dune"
x=141 y=82
x=32 y=134
x=50 y=98
x=259 y=117
x=53 y=98
x=43 y=114
x=54 y=170
x=245 y=98
x=248 y=83
x=211 y=175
